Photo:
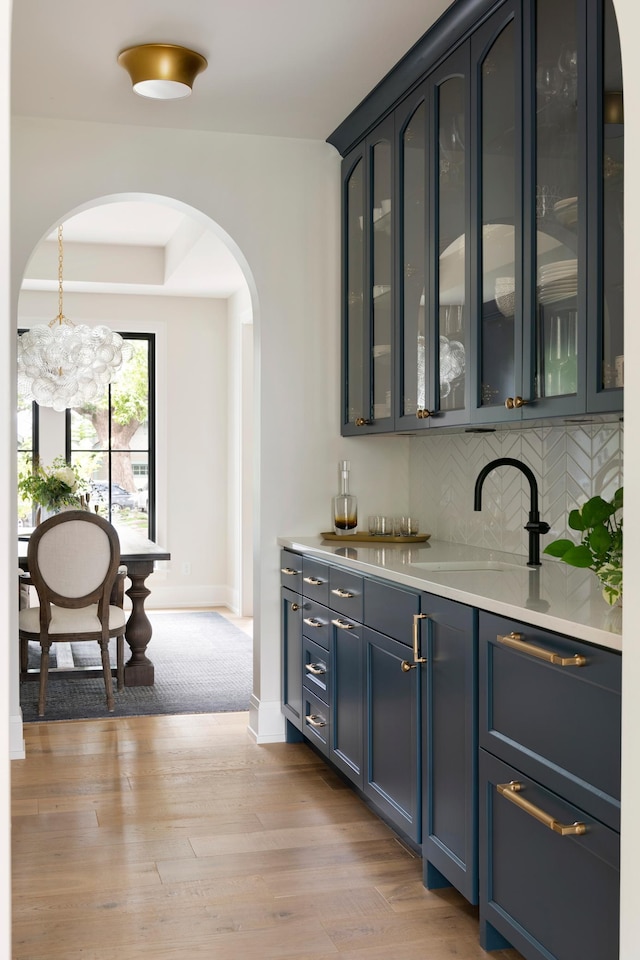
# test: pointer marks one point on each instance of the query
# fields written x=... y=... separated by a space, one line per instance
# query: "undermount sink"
x=467 y=566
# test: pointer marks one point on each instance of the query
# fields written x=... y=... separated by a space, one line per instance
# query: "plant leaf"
x=596 y=511
x=578 y=556
x=576 y=521
x=600 y=539
x=558 y=548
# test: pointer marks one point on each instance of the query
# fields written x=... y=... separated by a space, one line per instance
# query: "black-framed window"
x=112 y=441
x=28 y=449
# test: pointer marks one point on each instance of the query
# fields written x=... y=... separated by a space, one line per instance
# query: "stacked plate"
x=566 y=211
x=557 y=281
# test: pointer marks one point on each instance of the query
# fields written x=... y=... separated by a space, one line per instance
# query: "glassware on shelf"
x=561 y=369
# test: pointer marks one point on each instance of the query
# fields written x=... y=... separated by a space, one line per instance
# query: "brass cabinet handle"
x=406 y=665
x=517 y=642
x=310 y=622
x=316 y=669
x=313 y=581
x=295 y=606
x=338 y=592
x=512 y=403
x=361 y=422
x=342 y=624
x=289 y=572
x=315 y=721
x=423 y=414
x=511 y=791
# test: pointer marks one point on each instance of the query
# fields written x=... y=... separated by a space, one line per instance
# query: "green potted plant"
x=600 y=523
x=51 y=488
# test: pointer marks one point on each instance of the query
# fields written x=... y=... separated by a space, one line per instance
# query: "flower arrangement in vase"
x=51 y=488
x=600 y=523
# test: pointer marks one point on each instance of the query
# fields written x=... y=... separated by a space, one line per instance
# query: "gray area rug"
x=203 y=664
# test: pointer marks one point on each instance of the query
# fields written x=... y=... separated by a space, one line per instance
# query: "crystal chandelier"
x=63 y=364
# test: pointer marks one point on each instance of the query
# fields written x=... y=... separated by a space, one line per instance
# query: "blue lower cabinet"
x=549 y=879
x=291 y=628
x=449 y=830
x=392 y=735
x=315 y=720
x=347 y=737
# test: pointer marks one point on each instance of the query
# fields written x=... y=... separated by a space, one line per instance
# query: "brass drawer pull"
x=342 y=624
x=310 y=622
x=313 y=581
x=339 y=592
x=289 y=571
x=315 y=721
x=517 y=642
x=316 y=669
x=511 y=791
x=406 y=665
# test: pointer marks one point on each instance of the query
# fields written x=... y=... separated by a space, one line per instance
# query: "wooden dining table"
x=139 y=556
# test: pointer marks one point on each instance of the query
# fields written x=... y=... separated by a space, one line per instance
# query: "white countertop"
x=553 y=596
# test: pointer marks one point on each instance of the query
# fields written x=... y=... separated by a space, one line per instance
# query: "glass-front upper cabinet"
x=368 y=285
x=555 y=369
x=496 y=198
x=606 y=358
x=433 y=250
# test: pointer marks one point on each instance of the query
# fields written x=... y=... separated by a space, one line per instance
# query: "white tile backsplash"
x=571 y=463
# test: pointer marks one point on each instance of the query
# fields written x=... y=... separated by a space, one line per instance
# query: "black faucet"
x=535 y=526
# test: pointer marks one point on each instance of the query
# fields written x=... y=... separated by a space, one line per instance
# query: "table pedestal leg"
x=139 y=670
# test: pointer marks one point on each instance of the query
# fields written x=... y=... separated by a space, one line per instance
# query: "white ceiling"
x=286 y=68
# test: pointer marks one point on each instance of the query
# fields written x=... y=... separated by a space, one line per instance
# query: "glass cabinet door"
x=498 y=189
x=354 y=326
x=451 y=247
x=381 y=259
x=415 y=344
x=558 y=321
x=368 y=317
x=607 y=361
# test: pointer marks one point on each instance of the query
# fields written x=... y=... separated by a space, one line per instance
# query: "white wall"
x=192 y=346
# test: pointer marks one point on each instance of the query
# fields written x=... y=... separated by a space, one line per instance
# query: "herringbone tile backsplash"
x=571 y=463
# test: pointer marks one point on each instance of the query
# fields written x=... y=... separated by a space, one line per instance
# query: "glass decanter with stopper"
x=345 y=504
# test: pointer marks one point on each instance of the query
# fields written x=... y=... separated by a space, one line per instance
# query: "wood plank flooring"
x=179 y=837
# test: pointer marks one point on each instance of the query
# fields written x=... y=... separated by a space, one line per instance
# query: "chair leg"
x=45 y=646
x=24 y=655
x=120 y=661
x=106 y=670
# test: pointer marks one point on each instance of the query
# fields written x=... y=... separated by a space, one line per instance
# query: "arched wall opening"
x=143 y=264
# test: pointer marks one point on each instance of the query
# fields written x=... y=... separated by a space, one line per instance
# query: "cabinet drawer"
x=315 y=720
x=390 y=610
x=558 y=721
x=549 y=895
x=291 y=570
x=315 y=669
x=315 y=623
x=345 y=593
x=315 y=580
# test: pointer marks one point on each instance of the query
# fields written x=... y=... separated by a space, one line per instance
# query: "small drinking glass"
x=409 y=526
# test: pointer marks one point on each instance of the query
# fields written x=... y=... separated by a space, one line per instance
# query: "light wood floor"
x=179 y=837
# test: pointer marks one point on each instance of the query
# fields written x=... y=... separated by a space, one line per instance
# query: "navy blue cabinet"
x=449 y=842
x=549 y=811
x=291 y=631
x=347 y=698
x=483 y=233
x=393 y=736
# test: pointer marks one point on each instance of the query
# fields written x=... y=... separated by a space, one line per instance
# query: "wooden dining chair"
x=74 y=564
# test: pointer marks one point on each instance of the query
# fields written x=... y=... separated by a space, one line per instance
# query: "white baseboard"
x=17 y=750
x=266 y=721
x=175 y=598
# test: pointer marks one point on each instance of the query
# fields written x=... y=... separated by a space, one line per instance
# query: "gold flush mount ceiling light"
x=162 y=71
